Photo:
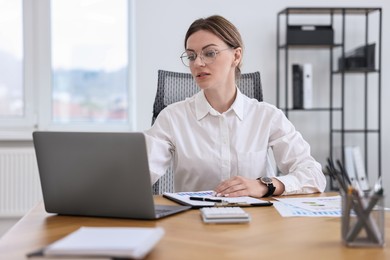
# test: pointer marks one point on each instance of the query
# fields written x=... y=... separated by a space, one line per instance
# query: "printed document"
x=186 y=198
x=309 y=206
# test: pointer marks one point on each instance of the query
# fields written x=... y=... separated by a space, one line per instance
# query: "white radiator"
x=19 y=181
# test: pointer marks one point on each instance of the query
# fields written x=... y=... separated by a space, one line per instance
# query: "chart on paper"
x=309 y=207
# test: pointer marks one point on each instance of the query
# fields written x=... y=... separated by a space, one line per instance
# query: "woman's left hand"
x=240 y=186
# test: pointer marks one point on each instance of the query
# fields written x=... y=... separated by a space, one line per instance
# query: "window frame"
x=28 y=121
x=37 y=81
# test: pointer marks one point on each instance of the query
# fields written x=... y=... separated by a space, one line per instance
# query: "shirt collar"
x=202 y=106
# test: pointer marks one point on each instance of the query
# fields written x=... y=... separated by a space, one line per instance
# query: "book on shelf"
x=297 y=86
x=307 y=85
x=349 y=163
x=302 y=85
x=354 y=166
x=360 y=169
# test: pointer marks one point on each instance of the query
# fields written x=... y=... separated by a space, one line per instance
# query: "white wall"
x=161 y=26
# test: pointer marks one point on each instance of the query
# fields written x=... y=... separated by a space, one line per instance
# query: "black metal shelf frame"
x=332 y=12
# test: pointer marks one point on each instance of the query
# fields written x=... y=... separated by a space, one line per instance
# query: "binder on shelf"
x=302 y=86
x=297 y=86
x=349 y=163
x=307 y=86
x=360 y=169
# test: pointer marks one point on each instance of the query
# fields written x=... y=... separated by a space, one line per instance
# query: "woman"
x=219 y=138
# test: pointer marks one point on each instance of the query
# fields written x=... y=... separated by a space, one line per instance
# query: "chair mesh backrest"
x=176 y=86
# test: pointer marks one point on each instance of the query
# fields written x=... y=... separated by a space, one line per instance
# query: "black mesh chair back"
x=176 y=86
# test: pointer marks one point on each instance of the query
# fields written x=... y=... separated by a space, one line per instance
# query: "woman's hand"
x=240 y=186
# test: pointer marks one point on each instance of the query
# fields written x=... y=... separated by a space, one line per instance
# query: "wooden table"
x=267 y=236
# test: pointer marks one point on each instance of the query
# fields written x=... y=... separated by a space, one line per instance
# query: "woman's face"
x=212 y=73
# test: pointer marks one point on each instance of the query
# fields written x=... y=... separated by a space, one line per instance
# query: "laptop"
x=97 y=174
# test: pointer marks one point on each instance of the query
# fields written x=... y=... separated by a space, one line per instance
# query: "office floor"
x=6 y=224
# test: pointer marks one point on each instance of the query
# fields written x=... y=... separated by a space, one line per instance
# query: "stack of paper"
x=103 y=241
x=199 y=199
x=309 y=206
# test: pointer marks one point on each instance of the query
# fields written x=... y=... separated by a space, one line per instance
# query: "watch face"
x=266 y=180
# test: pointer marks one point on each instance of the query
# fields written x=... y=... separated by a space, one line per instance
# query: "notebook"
x=112 y=242
x=97 y=174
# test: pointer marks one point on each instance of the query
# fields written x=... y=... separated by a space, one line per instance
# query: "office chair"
x=176 y=86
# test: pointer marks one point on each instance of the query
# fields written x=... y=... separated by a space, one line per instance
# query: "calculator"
x=224 y=215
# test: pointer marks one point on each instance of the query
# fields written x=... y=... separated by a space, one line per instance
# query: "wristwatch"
x=268 y=182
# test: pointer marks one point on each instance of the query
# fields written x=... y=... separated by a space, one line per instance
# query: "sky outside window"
x=89 y=60
x=11 y=59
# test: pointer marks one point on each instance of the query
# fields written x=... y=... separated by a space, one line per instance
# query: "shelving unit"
x=337 y=107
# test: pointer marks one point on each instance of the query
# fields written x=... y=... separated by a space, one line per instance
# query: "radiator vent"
x=19 y=181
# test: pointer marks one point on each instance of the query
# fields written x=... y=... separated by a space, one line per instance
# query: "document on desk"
x=309 y=206
x=201 y=199
x=117 y=242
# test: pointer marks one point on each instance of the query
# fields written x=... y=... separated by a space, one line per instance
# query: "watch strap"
x=270 y=186
x=271 y=190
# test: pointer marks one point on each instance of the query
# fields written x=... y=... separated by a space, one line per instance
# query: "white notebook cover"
x=107 y=241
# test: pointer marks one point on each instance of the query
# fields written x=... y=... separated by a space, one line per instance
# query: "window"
x=11 y=60
x=64 y=64
x=89 y=61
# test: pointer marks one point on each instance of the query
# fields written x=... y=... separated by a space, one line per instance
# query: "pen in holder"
x=363 y=216
x=362 y=219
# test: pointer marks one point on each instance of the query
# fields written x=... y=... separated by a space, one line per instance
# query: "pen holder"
x=362 y=220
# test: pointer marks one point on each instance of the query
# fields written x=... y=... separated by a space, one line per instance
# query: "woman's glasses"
x=207 y=56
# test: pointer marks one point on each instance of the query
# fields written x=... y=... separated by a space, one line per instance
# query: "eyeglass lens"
x=207 y=56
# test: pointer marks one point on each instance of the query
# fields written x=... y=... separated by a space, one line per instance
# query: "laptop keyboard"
x=163 y=211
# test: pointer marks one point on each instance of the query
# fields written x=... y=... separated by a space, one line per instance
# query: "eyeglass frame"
x=201 y=56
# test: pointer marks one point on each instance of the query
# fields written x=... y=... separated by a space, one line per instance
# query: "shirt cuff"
x=291 y=184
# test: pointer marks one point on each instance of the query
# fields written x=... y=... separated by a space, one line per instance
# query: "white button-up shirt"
x=208 y=147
